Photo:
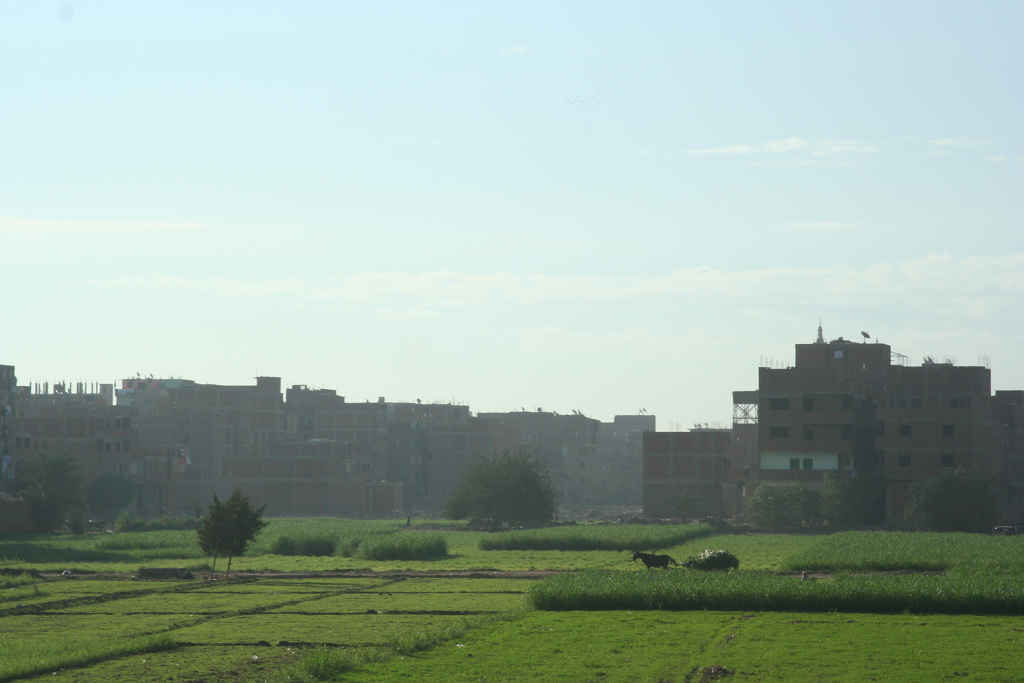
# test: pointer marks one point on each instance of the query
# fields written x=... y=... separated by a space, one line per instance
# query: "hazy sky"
x=594 y=206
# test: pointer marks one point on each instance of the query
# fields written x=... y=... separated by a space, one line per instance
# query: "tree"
x=512 y=487
x=780 y=507
x=52 y=483
x=109 y=493
x=953 y=500
x=229 y=527
x=854 y=501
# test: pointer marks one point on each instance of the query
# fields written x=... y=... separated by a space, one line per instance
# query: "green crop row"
x=863 y=551
x=755 y=591
x=596 y=537
x=20 y=658
x=418 y=546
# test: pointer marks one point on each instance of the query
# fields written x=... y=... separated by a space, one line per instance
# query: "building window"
x=901 y=403
x=947 y=460
x=881 y=429
x=583 y=465
x=28 y=441
x=117 y=423
x=947 y=430
x=108 y=448
x=845 y=432
x=99 y=445
x=808 y=435
x=778 y=432
x=808 y=404
x=846 y=461
x=904 y=430
x=17 y=441
x=808 y=463
x=778 y=403
x=847 y=401
x=794 y=463
x=838 y=354
x=904 y=459
x=915 y=403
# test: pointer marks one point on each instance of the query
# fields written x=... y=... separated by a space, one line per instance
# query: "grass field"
x=622 y=622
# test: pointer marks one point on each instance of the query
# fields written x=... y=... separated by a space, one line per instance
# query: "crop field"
x=662 y=647
x=592 y=537
x=880 y=606
x=865 y=551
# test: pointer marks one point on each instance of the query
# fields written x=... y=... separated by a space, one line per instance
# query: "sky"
x=571 y=206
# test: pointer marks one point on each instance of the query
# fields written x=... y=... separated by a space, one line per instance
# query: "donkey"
x=650 y=560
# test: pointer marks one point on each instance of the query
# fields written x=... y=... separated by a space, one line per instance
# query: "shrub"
x=953 y=500
x=308 y=546
x=713 y=559
x=780 y=507
x=412 y=546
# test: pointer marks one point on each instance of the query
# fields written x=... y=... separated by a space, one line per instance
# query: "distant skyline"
x=592 y=206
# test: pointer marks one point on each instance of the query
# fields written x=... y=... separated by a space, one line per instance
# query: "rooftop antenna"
x=866 y=336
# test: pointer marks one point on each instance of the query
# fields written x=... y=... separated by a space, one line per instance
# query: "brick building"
x=850 y=408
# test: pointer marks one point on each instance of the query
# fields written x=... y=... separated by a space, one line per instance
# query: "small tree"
x=687 y=505
x=780 y=507
x=109 y=493
x=52 y=483
x=953 y=500
x=512 y=487
x=229 y=528
x=854 y=501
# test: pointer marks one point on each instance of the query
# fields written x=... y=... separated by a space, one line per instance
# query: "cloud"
x=822 y=226
x=391 y=314
x=519 y=50
x=958 y=142
x=731 y=149
x=34 y=227
x=941 y=283
x=793 y=144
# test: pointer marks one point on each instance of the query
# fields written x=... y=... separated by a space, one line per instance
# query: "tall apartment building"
x=848 y=409
x=858 y=408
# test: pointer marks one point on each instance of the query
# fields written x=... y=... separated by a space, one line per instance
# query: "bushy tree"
x=781 y=507
x=229 y=527
x=953 y=500
x=512 y=487
x=53 y=485
x=109 y=493
x=854 y=501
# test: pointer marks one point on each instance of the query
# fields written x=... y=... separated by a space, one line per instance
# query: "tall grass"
x=20 y=658
x=596 y=537
x=863 y=551
x=318 y=536
x=125 y=522
x=412 y=546
x=754 y=591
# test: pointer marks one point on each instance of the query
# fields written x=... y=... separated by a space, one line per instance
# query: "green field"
x=882 y=606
